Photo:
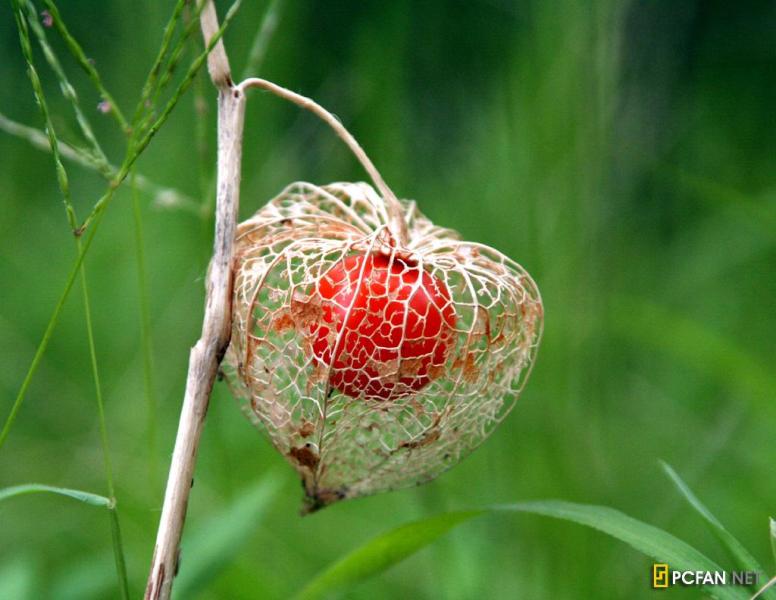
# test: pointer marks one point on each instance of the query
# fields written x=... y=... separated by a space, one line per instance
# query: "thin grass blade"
x=696 y=345
x=647 y=539
x=212 y=547
x=387 y=549
x=262 y=39
x=37 y=488
x=740 y=555
x=382 y=552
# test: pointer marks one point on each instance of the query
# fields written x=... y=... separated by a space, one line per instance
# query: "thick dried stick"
x=206 y=355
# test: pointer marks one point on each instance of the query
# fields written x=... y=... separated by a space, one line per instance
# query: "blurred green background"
x=623 y=152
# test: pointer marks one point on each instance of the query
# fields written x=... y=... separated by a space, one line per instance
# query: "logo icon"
x=659 y=575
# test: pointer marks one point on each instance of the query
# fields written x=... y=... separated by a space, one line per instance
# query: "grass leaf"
x=647 y=539
x=740 y=555
x=146 y=331
x=387 y=549
x=212 y=547
x=695 y=344
x=382 y=552
x=765 y=589
x=34 y=488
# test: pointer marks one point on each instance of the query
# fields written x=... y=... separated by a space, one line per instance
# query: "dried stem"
x=395 y=213
x=207 y=353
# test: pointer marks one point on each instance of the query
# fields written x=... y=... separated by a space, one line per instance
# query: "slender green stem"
x=86 y=64
x=205 y=167
x=52 y=323
x=177 y=52
x=137 y=149
x=62 y=178
x=158 y=80
x=95 y=217
x=68 y=91
x=118 y=549
x=205 y=170
x=96 y=376
x=37 y=90
x=118 y=552
x=98 y=210
x=163 y=196
x=148 y=86
x=145 y=329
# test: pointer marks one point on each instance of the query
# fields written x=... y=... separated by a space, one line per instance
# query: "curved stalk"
x=395 y=213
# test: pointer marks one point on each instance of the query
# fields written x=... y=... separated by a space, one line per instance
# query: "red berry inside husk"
x=386 y=328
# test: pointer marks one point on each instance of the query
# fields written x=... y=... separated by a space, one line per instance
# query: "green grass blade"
x=387 y=549
x=99 y=208
x=37 y=139
x=212 y=547
x=62 y=180
x=382 y=552
x=118 y=553
x=96 y=377
x=167 y=35
x=765 y=589
x=145 y=329
x=52 y=323
x=37 y=89
x=647 y=539
x=86 y=498
x=740 y=555
x=158 y=80
x=36 y=488
x=69 y=93
x=262 y=39
x=137 y=148
x=694 y=344
x=118 y=548
x=163 y=196
x=189 y=28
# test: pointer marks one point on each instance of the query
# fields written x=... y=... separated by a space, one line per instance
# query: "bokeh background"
x=623 y=152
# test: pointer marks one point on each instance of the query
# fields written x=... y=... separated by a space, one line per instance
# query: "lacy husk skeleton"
x=343 y=445
x=264 y=308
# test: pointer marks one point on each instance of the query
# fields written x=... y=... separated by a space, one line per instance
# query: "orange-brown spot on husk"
x=304 y=457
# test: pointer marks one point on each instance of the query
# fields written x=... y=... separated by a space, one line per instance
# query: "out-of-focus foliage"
x=623 y=152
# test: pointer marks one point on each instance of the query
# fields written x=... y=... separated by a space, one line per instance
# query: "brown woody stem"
x=206 y=355
x=394 y=210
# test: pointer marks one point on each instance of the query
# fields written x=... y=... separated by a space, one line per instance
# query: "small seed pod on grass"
x=373 y=362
